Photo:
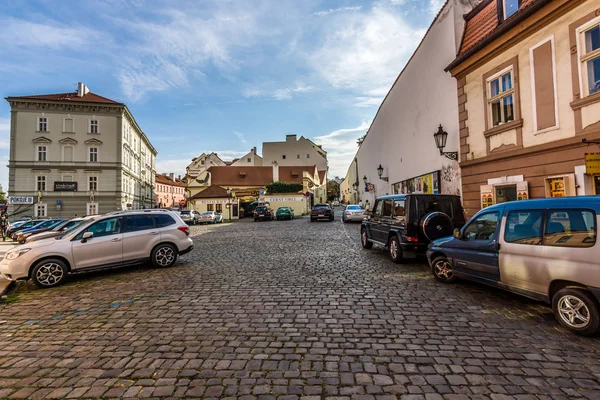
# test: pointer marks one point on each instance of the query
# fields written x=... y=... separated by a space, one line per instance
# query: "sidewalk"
x=4 y=247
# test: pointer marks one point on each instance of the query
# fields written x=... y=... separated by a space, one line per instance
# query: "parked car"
x=190 y=217
x=112 y=240
x=321 y=211
x=58 y=230
x=406 y=224
x=210 y=217
x=39 y=228
x=263 y=213
x=25 y=225
x=353 y=213
x=336 y=203
x=284 y=213
x=544 y=249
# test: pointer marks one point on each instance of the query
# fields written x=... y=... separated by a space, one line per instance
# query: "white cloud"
x=334 y=10
x=4 y=133
x=341 y=146
x=240 y=136
x=364 y=53
x=278 y=94
x=435 y=6
x=19 y=33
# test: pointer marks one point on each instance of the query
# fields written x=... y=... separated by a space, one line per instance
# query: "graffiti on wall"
x=451 y=182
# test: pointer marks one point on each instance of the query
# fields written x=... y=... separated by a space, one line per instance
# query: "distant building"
x=294 y=152
x=202 y=163
x=250 y=159
x=78 y=153
x=169 y=191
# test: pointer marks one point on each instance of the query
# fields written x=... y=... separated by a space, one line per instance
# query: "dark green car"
x=284 y=213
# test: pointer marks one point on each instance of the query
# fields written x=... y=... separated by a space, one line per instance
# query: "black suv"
x=407 y=223
x=321 y=211
x=263 y=213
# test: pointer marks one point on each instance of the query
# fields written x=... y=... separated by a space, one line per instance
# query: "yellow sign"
x=592 y=163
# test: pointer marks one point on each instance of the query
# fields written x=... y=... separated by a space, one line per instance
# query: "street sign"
x=182 y=203
x=20 y=200
x=65 y=186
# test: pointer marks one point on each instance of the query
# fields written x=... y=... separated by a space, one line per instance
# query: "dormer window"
x=509 y=7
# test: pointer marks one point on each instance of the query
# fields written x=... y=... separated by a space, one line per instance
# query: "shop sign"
x=592 y=164
x=211 y=201
x=20 y=200
x=557 y=187
x=425 y=184
x=245 y=193
x=274 y=199
x=65 y=186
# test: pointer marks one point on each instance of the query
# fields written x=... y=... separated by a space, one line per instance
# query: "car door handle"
x=154 y=233
x=116 y=240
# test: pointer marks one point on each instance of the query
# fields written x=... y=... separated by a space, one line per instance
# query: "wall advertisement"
x=426 y=184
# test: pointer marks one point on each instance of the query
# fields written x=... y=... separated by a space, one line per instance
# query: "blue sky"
x=220 y=76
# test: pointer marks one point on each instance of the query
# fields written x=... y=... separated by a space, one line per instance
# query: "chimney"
x=290 y=138
x=254 y=149
x=172 y=176
x=82 y=90
x=179 y=177
x=275 y=172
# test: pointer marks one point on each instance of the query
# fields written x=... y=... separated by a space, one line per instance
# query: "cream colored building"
x=294 y=152
x=349 y=186
x=528 y=77
x=77 y=154
x=250 y=159
x=202 y=163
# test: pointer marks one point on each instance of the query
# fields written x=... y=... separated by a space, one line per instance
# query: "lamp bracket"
x=384 y=178
x=590 y=141
x=452 y=155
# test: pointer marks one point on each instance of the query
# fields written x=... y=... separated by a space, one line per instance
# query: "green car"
x=284 y=213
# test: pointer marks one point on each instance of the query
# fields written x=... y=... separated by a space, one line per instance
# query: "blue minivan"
x=545 y=249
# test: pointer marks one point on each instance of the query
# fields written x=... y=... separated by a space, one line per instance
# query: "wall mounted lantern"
x=365 y=179
x=441 y=136
x=380 y=173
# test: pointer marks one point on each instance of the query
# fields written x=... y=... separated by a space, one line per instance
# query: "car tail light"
x=184 y=229
x=412 y=239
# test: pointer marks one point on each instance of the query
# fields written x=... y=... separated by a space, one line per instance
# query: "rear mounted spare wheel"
x=436 y=225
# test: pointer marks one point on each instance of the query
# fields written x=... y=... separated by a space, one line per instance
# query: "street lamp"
x=365 y=179
x=229 y=201
x=380 y=173
x=441 y=136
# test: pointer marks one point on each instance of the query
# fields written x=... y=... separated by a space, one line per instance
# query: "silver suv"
x=116 y=239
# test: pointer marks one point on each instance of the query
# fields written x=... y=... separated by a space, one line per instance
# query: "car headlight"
x=16 y=254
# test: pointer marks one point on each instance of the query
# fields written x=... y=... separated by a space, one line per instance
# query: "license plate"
x=321 y=215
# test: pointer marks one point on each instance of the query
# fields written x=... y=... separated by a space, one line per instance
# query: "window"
x=377 y=210
x=43 y=124
x=501 y=97
x=298 y=156
x=69 y=125
x=94 y=126
x=510 y=7
x=249 y=159
x=482 y=228
x=41 y=210
x=570 y=228
x=219 y=208
x=93 y=184
x=106 y=227
x=210 y=207
x=283 y=156
x=93 y=154
x=524 y=227
x=399 y=210
x=589 y=53
x=92 y=208
x=41 y=184
x=42 y=153
x=138 y=223
x=308 y=156
x=163 y=220
x=387 y=208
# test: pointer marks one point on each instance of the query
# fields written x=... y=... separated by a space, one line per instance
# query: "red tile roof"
x=482 y=22
x=241 y=176
x=294 y=174
x=322 y=175
x=166 y=180
x=211 y=192
x=86 y=98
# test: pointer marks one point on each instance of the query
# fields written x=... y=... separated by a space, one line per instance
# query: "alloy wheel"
x=50 y=274
x=573 y=311
x=443 y=270
x=394 y=249
x=165 y=256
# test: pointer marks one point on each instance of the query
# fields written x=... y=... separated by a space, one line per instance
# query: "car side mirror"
x=456 y=233
x=87 y=236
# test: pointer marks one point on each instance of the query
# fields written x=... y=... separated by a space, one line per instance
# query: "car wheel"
x=312 y=220
x=255 y=220
x=49 y=273
x=364 y=240
x=163 y=256
x=442 y=270
x=395 y=250
x=577 y=311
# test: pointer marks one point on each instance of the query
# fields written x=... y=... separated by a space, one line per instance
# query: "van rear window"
x=570 y=228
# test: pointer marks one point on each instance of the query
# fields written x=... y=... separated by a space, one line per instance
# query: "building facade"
x=202 y=163
x=528 y=76
x=399 y=153
x=294 y=152
x=78 y=154
x=169 y=191
x=250 y=159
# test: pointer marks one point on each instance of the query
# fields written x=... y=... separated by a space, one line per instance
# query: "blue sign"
x=59 y=202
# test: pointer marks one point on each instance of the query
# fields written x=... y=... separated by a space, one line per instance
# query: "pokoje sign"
x=20 y=200
x=65 y=186
x=592 y=163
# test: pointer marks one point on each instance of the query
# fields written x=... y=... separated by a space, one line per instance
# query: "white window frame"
x=504 y=16
x=93 y=124
x=65 y=124
x=41 y=179
x=42 y=206
x=531 y=59
x=582 y=59
x=64 y=147
x=96 y=153
x=501 y=96
x=45 y=152
x=88 y=208
x=39 y=127
x=95 y=180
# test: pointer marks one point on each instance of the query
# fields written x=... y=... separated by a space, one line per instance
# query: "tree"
x=333 y=190
x=2 y=194
x=361 y=139
x=283 y=187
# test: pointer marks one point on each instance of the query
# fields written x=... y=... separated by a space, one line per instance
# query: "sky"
x=224 y=75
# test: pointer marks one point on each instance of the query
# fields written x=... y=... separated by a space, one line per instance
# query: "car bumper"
x=354 y=218
x=321 y=216
x=14 y=269
x=263 y=217
x=190 y=248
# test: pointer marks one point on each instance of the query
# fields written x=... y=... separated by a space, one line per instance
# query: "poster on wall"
x=426 y=184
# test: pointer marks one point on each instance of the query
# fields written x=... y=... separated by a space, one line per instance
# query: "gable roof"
x=322 y=176
x=294 y=174
x=166 y=180
x=72 y=96
x=211 y=192
x=239 y=176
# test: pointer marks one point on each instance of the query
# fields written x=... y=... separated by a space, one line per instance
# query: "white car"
x=115 y=239
x=354 y=213
x=210 y=217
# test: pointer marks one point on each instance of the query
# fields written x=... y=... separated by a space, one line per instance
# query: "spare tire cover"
x=437 y=225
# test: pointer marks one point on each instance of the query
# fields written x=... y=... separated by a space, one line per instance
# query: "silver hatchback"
x=116 y=239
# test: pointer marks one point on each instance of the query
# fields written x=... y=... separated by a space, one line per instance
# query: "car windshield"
x=207 y=213
x=69 y=226
x=357 y=208
x=186 y=212
x=261 y=209
x=82 y=224
x=282 y=209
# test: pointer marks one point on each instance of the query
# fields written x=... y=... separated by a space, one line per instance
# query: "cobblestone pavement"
x=286 y=310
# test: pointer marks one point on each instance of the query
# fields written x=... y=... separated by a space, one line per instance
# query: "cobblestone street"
x=286 y=310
